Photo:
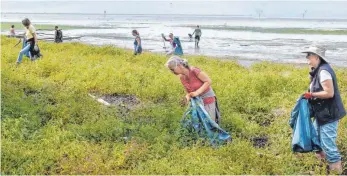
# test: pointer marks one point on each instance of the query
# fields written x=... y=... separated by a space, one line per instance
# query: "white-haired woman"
x=196 y=83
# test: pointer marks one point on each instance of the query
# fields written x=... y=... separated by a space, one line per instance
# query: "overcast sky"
x=271 y=9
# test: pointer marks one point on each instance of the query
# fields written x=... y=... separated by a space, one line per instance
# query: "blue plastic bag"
x=198 y=121
x=305 y=138
x=178 y=49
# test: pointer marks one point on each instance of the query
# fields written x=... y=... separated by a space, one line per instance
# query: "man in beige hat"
x=327 y=107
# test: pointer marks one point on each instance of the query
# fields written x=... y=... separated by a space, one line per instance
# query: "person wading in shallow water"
x=197 y=33
x=175 y=44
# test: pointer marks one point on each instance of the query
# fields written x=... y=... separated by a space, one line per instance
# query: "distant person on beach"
x=197 y=33
x=326 y=104
x=137 y=42
x=197 y=84
x=12 y=32
x=31 y=42
x=58 y=35
x=175 y=44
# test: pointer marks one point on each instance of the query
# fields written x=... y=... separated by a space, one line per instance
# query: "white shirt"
x=323 y=76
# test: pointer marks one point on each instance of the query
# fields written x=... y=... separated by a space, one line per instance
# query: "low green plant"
x=50 y=125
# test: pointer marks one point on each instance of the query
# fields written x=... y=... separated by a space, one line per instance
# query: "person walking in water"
x=137 y=42
x=175 y=44
x=197 y=33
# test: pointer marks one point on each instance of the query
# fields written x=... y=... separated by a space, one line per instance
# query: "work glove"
x=308 y=95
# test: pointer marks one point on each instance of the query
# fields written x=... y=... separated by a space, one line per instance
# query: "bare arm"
x=162 y=35
x=207 y=83
x=328 y=90
x=35 y=37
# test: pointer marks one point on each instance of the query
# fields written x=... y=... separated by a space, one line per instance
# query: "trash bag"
x=178 y=49
x=196 y=120
x=305 y=138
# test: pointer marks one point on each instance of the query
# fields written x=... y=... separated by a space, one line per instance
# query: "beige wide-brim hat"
x=320 y=51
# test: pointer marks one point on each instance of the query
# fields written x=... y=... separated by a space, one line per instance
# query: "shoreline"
x=245 y=46
x=245 y=62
